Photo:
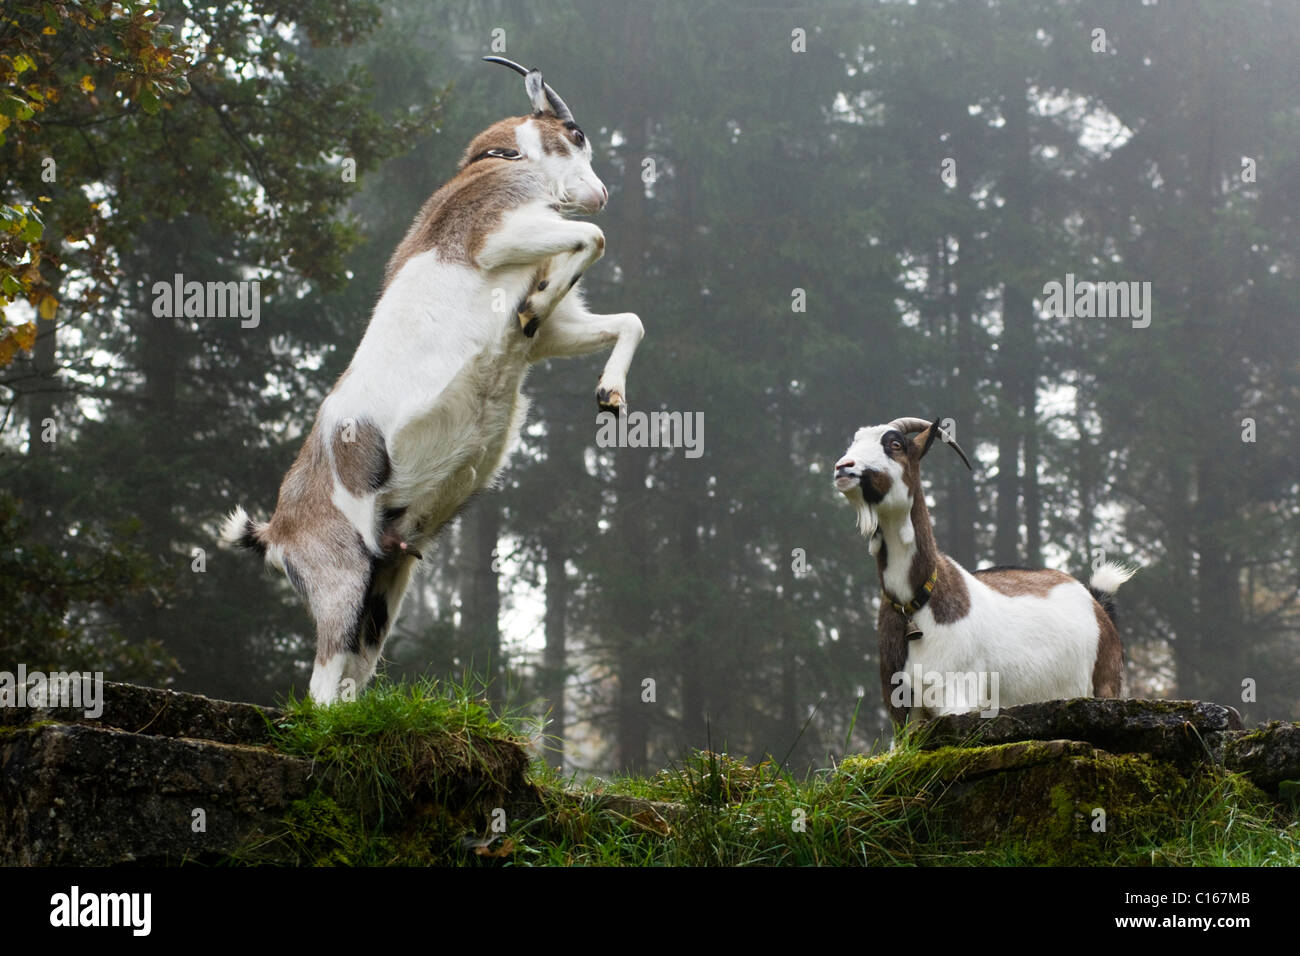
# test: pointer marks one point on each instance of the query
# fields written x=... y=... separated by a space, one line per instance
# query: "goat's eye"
x=896 y=445
x=578 y=138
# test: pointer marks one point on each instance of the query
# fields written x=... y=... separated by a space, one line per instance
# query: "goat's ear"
x=536 y=90
x=927 y=437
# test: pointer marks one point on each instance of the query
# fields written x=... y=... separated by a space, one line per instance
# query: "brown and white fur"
x=1041 y=632
x=481 y=287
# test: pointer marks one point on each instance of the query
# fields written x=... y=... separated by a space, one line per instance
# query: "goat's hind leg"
x=389 y=578
x=336 y=596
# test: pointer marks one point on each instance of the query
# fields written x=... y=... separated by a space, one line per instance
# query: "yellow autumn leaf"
x=49 y=31
x=25 y=335
x=88 y=84
x=16 y=339
x=49 y=305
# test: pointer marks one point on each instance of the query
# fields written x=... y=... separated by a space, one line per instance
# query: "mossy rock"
x=83 y=795
x=1187 y=733
x=159 y=713
x=1270 y=754
x=1035 y=801
x=319 y=831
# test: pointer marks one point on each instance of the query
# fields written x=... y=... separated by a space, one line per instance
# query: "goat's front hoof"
x=528 y=319
x=610 y=399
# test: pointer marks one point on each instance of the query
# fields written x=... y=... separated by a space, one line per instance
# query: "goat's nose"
x=846 y=463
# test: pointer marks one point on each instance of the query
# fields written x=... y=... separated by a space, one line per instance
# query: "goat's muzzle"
x=846 y=476
x=588 y=196
x=873 y=484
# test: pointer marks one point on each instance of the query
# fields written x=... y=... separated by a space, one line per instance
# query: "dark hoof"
x=393 y=546
x=610 y=400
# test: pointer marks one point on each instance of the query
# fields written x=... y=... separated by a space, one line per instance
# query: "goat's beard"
x=867 y=520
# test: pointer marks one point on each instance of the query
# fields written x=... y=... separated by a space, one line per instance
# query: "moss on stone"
x=35 y=727
x=319 y=831
x=1034 y=801
x=323 y=833
x=1260 y=734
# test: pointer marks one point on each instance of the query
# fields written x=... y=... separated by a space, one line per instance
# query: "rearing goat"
x=1030 y=635
x=481 y=287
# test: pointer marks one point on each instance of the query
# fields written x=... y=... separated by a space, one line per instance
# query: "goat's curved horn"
x=562 y=112
x=558 y=107
x=522 y=71
x=910 y=425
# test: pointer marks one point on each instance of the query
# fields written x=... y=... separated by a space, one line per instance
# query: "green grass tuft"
x=402 y=742
x=405 y=774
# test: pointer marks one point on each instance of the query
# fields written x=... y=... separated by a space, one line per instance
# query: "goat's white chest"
x=440 y=371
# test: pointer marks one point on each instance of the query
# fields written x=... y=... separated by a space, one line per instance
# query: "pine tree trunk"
x=554 y=656
x=41 y=391
x=633 y=617
x=1029 y=484
x=959 y=540
x=1017 y=349
x=691 y=664
x=482 y=611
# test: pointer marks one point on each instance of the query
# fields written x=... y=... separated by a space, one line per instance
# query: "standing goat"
x=1030 y=635
x=430 y=406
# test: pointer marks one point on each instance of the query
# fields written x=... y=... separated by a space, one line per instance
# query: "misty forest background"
x=213 y=141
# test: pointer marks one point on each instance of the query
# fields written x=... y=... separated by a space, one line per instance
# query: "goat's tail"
x=243 y=532
x=1105 y=581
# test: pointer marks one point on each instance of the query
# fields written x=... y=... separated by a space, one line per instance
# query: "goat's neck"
x=908 y=554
